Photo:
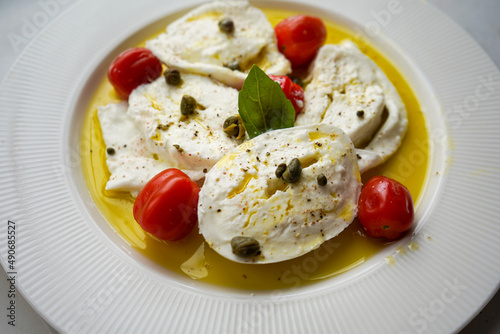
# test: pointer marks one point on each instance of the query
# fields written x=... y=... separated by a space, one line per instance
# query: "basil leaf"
x=262 y=104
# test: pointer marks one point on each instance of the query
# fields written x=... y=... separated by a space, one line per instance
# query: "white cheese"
x=243 y=197
x=133 y=162
x=348 y=90
x=194 y=43
x=195 y=142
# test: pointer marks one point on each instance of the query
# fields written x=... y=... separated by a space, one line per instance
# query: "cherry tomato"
x=132 y=68
x=167 y=206
x=385 y=208
x=300 y=37
x=292 y=91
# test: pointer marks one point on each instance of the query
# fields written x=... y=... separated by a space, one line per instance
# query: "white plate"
x=81 y=277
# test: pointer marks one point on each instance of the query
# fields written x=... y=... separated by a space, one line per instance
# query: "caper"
x=188 y=105
x=233 y=126
x=245 y=246
x=172 y=77
x=178 y=148
x=280 y=170
x=242 y=131
x=110 y=150
x=293 y=171
x=226 y=25
x=298 y=81
x=234 y=66
x=322 y=180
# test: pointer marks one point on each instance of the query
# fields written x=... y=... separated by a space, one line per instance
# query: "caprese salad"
x=256 y=134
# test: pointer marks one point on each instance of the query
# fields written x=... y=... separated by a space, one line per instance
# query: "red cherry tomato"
x=385 y=208
x=132 y=68
x=292 y=91
x=167 y=206
x=300 y=37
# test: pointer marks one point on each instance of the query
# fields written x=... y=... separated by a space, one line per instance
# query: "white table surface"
x=480 y=18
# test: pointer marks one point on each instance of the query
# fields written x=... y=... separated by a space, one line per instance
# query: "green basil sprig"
x=262 y=104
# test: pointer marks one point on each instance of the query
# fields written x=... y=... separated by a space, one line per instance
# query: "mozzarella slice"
x=133 y=162
x=243 y=197
x=349 y=91
x=194 y=43
x=195 y=142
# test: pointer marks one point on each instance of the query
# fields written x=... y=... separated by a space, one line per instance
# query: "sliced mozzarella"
x=243 y=197
x=349 y=91
x=194 y=43
x=133 y=162
x=367 y=160
x=195 y=142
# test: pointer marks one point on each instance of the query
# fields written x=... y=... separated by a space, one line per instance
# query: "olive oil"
x=350 y=249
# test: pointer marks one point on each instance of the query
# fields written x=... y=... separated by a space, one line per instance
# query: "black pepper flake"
x=319 y=144
x=258 y=159
x=205 y=170
x=110 y=151
x=358 y=156
x=360 y=113
x=268 y=154
x=248 y=151
x=219 y=210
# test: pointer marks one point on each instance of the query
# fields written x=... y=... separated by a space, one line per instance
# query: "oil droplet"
x=390 y=260
x=400 y=250
x=242 y=186
x=195 y=267
x=413 y=246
